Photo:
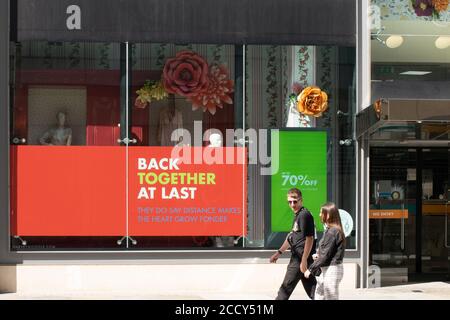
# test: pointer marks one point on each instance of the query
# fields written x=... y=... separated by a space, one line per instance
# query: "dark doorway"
x=409 y=214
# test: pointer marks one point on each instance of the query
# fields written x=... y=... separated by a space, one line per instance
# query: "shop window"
x=276 y=76
x=188 y=95
x=66 y=99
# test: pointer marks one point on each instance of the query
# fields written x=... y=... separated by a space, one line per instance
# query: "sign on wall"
x=302 y=164
x=388 y=214
x=168 y=197
x=90 y=191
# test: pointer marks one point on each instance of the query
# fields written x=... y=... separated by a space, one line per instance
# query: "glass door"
x=409 y=213
x=435 y=210
x=392 y=213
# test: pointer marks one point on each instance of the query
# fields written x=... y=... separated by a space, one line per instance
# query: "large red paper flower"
x=217 y=93
x=186 y=74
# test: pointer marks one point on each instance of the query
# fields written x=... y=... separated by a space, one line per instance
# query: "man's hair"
x=295 y=191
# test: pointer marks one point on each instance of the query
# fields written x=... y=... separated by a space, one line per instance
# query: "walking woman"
x=328 y=263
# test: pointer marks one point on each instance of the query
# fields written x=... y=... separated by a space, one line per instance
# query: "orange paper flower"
x=312 y=102
x=377 y=107
x=440 y=5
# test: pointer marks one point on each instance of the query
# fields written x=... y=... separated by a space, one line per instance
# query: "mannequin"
x=296 y=119
x=215 y=141
x=170 y=119
x=61 y=135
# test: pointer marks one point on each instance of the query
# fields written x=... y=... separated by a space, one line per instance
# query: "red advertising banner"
x=171 y=195
x=70 y=191
x=82 y=191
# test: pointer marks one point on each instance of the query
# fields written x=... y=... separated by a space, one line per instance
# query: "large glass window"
x=188 y=95
x=275 y=76
x=65 y=118
x=155 y=145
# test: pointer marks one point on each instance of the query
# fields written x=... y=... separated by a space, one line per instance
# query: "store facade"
x=158 y=133
x=405 y=133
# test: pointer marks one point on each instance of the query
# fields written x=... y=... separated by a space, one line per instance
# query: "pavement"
x=417 y=291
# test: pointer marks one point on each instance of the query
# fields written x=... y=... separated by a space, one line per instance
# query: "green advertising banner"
x=302 y=164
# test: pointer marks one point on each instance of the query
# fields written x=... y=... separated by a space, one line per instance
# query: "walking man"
x=302 y=243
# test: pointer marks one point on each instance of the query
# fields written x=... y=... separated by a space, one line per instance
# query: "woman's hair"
x=330 y=216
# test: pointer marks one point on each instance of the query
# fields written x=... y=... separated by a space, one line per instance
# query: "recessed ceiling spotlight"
x=442 y=42
x=394 y=41
x=414 y=73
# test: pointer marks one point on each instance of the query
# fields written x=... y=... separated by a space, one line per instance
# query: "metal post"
x=364 y=211
x=363 y=99
x=4 y=130
x=419 y=194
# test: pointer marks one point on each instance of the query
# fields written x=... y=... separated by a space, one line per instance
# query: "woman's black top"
x=331 y=250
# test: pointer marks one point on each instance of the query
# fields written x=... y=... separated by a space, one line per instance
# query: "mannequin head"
x=215 y=140
x=61 y=118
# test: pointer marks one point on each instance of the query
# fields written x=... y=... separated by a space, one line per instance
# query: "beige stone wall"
x=161 y=279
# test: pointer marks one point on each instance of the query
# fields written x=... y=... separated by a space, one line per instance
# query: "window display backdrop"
x=301 y=162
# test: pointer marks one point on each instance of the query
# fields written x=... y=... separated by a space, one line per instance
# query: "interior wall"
x=411 y=90
x=45 y=102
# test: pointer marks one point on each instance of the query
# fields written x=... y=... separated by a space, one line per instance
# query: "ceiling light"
x=415 y=73
x=394 y=41
x=442 y=42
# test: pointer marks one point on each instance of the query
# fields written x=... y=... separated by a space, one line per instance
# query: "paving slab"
x=417 y=291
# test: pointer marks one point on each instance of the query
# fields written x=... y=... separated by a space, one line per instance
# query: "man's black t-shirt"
x=302 y=227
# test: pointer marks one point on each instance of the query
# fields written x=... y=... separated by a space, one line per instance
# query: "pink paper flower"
x=423 y=8
x=140 y=103
x=217 y=92
x=186 y=74
x=297 y=88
